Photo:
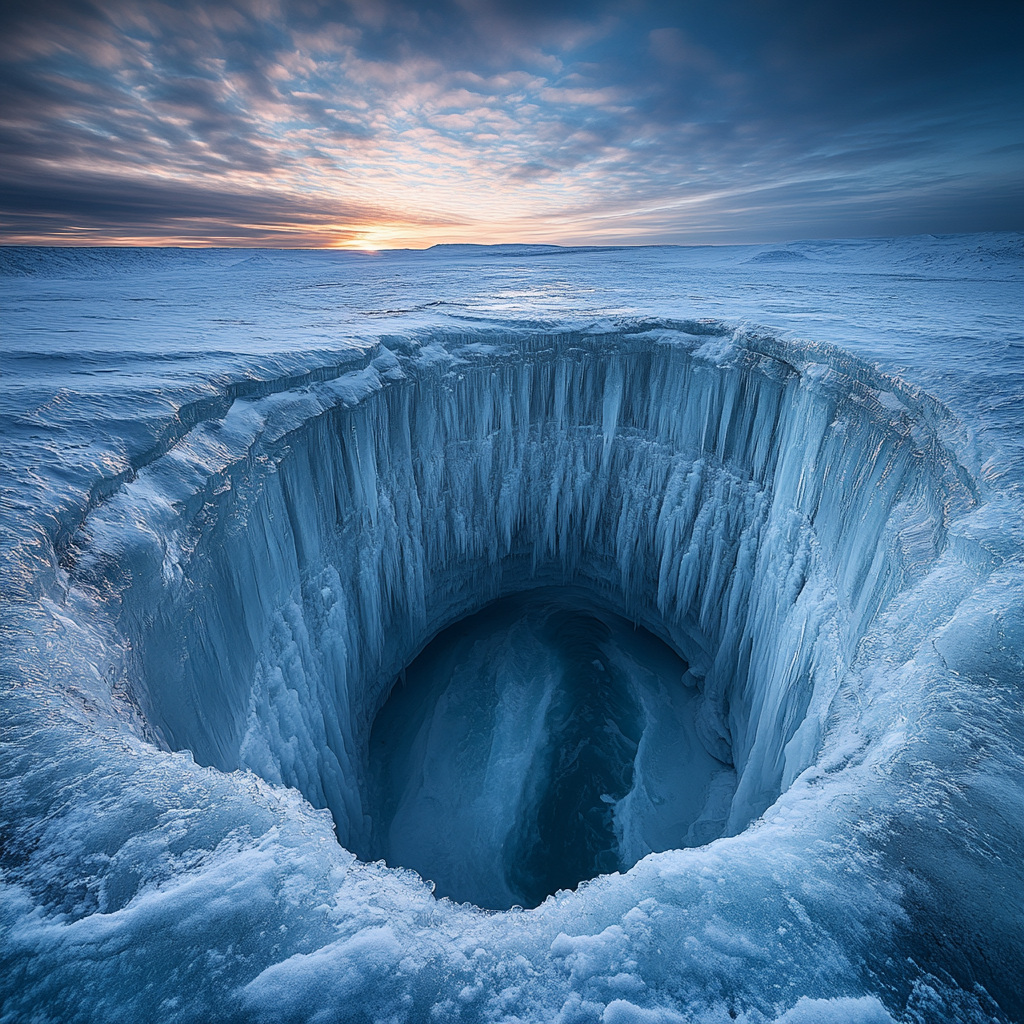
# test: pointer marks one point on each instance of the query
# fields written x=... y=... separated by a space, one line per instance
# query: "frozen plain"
x=243 y=489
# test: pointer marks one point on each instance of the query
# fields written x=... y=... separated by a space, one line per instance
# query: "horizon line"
x=585 y=246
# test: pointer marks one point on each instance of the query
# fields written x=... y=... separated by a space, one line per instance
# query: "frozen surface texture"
x=702 y=572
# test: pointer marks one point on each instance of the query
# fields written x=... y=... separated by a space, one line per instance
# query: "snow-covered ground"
x=243 y=490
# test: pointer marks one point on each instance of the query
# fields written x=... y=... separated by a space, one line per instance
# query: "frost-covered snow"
x=244 y=491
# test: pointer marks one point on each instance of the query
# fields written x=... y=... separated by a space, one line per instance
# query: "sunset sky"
x=379 y=125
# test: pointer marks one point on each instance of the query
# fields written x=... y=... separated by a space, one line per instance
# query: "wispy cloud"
x=388 y=123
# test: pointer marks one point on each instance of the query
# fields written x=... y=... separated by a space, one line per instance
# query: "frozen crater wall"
x=281 y=567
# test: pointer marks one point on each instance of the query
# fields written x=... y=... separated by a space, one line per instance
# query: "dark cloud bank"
x=283 y=123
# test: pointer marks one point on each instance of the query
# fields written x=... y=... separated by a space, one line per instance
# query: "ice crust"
x=195 y=678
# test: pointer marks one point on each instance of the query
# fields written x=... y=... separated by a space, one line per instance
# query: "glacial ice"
x=702 y=645
x=683 y=491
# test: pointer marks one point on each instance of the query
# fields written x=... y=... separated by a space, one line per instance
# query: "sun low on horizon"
x=374 y=125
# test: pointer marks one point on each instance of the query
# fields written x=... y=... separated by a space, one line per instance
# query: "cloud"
x=342 y=122
x=90 y=209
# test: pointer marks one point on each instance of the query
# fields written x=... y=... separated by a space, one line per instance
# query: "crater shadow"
x=538 y=743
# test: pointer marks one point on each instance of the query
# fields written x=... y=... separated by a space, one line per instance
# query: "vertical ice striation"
x=753 y=513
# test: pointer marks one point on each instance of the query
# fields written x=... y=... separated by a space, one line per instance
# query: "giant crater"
x=522 y=606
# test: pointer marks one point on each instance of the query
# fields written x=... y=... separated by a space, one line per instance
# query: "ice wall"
x=282 y=564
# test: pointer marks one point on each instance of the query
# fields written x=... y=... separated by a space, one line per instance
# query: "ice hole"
x=752 y=515
x=535 y=744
